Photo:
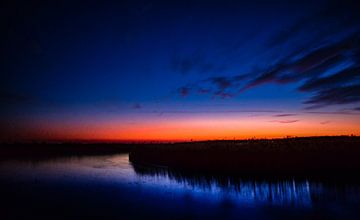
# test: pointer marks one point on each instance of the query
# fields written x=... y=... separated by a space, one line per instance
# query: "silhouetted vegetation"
x=319 y=156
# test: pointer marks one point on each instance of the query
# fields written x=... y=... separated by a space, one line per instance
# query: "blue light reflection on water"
x=181 y=190
x=242 y=192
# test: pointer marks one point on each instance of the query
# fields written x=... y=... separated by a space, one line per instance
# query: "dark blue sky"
x=132 y=60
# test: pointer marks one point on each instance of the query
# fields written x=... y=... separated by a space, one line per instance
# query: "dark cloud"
x=326 y=64
x=137 y=106
x=223 y=87
x=223 y=95
x=184 y=91
x=284 y=115
x=221 y=82
x=325 y=122
x=328 y=52
x=340 y=112
x=266 y=77
x=337 y=95
x=345 y=76
x=312 y=64
x=284 y=121
x=217 y=87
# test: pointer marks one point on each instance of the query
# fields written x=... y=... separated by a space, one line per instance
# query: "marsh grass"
x=291 y=156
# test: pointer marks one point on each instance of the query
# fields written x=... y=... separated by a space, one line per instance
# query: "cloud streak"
x=137 y=106
x=339 y=95
x=326 y=66
x=284 y=121
x=284 y=115
x=217 y=87
x=325 y=122
x=184 y=91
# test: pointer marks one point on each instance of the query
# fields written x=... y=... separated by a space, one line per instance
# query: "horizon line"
x=145 y=141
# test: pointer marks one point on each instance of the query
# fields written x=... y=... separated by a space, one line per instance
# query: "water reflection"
x=279 y=192
x=158 y=189
x=286 y=192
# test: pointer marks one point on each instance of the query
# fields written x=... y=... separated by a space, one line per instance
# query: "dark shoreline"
x=325 y=157
x=43 y=151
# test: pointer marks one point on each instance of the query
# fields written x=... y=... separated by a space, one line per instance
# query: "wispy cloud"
x=325 y=122
x=136 y=106
x=326 y=64
x=348 y=75
x=340 y=112
x=216 y=87
x=284 y=121
x=339 y=95
x=184 y=91
x=284 y=115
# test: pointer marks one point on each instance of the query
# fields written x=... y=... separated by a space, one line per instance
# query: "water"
x=110 y=186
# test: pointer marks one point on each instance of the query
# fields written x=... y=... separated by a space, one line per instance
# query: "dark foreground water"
x=111 y=187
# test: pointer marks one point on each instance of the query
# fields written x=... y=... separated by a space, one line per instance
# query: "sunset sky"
x=179 y=70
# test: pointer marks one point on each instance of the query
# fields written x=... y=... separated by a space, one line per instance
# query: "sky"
x=178 y=70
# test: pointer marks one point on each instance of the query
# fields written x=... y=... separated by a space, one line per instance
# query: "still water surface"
x=110 y=186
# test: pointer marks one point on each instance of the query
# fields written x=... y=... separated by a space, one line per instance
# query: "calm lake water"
x=111 y=187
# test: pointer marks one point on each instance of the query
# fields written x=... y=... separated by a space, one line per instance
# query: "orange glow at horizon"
x=194 y=128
